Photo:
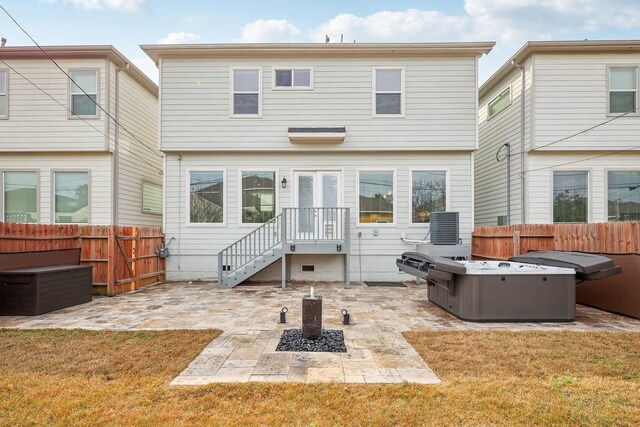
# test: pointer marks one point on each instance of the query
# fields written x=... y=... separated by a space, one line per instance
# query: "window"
x=151 y=198
x=570 y=200
x=81 y=104
x=258 y=197
x=388 y=92
x=293 y=78
x=623 y=85
x=428 y=194
x=71 y=190
x=375 y=197
x=4 y=97
x=206 y=197
x=20 y=196
x=246 y=92
x=500 y=102
x=623 y=196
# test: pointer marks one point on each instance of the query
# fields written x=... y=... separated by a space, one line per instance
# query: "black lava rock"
x=332 y=341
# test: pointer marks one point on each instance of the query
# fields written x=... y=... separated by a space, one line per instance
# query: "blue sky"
x=129 y=23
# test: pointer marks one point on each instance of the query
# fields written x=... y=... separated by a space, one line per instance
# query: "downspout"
x=522 y=151
x=116 y=150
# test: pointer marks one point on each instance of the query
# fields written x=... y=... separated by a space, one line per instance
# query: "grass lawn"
x=61 y=377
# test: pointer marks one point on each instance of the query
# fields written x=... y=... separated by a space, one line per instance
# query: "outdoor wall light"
x=284 y=182
x=283 y=315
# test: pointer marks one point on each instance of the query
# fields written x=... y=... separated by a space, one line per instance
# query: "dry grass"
x=61 y=377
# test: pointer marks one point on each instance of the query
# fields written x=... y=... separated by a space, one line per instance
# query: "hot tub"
x=497 y=290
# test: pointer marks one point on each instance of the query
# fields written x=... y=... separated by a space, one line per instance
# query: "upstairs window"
x=151 y=198
x=84 y=93
x=623 y=88
x=499 y=103
x=246 y=92
x=388 y=91
x=570 y=196
x=4 y=102
x=293 y=78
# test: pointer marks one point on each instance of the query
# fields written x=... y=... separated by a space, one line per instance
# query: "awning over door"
x=317 y=135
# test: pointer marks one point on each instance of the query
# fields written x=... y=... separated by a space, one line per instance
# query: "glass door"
x=317 y=189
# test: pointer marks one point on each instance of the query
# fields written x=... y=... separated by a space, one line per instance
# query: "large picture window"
x=246 y=92
x=86 y=81
x=71 y=191
x=623 y=195
x=623 y=87
x=376 y=197
x=428 y=194
x=4 y=97
x=258 y=197
x=570 y=196
x=388 y=84
x=206 y=197
x=20 y=196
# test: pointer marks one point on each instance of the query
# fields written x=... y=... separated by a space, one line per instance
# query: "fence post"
x=516 y=243
x=135 y=255
x=111 y=261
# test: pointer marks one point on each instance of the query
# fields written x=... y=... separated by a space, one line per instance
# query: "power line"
x=583 y=160
x=78 y=86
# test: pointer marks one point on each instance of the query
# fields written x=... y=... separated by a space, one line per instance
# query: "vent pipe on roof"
x=3 y=42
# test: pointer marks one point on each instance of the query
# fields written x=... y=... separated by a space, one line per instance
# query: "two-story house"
x=327 y=153
x=559 y=127
x=78 y=144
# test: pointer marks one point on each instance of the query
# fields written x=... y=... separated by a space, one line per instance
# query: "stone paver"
x=376 y=350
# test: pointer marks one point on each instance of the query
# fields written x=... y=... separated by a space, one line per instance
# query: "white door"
x=319 y=189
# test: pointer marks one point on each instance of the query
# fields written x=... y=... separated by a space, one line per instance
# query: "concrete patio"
x=376 y=350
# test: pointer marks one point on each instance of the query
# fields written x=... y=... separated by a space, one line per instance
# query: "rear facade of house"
x=343 y=149
x=63 y=159
x=569 y=112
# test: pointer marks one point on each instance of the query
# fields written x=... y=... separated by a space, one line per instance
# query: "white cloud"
x=147 y=66
x=117 y=5
x=270 y=30
x=179 y=38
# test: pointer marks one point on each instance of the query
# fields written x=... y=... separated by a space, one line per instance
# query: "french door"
x=317 y=189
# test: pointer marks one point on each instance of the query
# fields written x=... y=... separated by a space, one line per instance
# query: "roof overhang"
x=317 y=135
x=570 y=47
x=81 y=52
x=315 y=50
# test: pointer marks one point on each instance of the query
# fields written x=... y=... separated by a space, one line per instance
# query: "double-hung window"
x=258 y=196
x=246 y=84
x=293 y=78
x=428 y=194
x=623 y=195
x=206 y=197
x=20 y=196
x=4 y=97
x=84 y=93
x=71 y=193
x=623 y=90
x=376 y=197
x=388 y=94
x=570 y=196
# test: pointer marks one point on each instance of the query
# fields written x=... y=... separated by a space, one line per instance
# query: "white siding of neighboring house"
x=195 y=247
x=98 y=165
x=38 y=123
x=540 y=187
x=440 y=105
x=138 y=113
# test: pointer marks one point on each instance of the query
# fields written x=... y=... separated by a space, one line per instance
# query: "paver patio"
x=376 y=350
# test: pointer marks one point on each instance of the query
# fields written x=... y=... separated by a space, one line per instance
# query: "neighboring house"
x=253 y=130
x=569 y=111
x=62 y=159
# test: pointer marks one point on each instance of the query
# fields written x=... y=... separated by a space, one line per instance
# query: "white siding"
x=98 y=166
x=440 y=106
x=195 y=247
x=37 y=122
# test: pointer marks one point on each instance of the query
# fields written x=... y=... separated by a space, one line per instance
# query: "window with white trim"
x=84 y=93
x=499 y=103
x=151 y=198
x=4 y=96
x=20 y=198
x=623 y=89
x=206 y=197
x=623 y=195
x=375 y=195
x=388 y=91
x=570 y=196
x=71 y=193
x=428 y=194
x=293 y=78
x=258 y=197
x=246 y=92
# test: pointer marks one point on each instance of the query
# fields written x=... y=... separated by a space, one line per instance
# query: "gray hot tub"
x=499 y=290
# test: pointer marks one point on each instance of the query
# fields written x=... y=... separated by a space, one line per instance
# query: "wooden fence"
x=503 y=242
x=123 y=257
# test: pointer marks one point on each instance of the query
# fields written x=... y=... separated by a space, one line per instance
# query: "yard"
x=73 y=377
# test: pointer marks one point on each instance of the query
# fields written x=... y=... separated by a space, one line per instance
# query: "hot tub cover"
x=587 y=266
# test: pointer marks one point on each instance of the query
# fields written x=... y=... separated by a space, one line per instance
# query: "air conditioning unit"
x=445 y=228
